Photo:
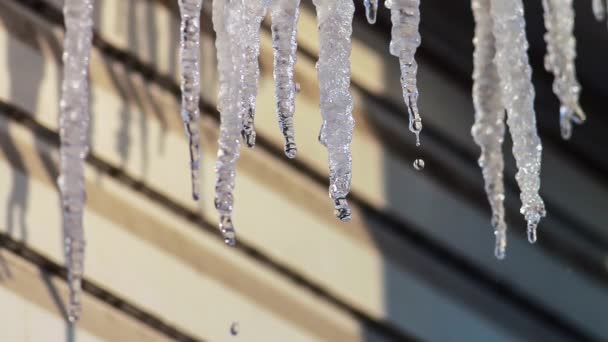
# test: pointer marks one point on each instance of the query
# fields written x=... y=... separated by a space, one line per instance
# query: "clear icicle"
x=255 y=12
x=371 y=10
x=518 y=97
x=190 y=60
x=285 y=14
x=228 y=18
x=73 y=129
x=561 y=53
x=405 y=16
x=335 y=29
x=489 y=128
x=599 y=9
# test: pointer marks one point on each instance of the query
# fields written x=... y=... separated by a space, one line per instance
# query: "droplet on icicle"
x=419 y=164
x=599 y=9
x=371 y=10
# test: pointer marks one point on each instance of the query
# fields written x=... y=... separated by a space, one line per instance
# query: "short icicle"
x=73 y=129
x=335 y=29
x=518 y=97
x=189 y=52
x=371 y=10
x=405 y=39
x=285 y=14
x=489 y=128
x=559 y=60
x=255 y=12
x=228 y=18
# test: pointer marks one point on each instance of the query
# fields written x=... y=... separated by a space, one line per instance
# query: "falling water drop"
x=234 y=328
x=419 y=164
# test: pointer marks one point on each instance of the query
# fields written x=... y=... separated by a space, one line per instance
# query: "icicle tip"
x=228 y=231
x=342 y=210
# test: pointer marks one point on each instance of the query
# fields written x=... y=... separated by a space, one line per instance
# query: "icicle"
x=561 y=52
x=405 y=16
x=599 y=10
x=285 y=14
x=371 y=10
x=489 y=128
x=335 y=29
x=73 y=128
x=518 y=97
x=228 y=19
x=190 y=59
x=255 y=12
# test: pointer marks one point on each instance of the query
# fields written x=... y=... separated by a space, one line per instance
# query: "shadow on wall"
x=25 y=79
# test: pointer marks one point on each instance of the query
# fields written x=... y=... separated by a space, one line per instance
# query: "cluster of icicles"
x=502 y=86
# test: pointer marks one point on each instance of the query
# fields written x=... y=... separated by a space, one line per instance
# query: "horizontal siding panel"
x=30 y=311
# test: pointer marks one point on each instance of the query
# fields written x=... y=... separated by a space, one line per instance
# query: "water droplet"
x=298 y=88
x=419 y=164
x=234 y=328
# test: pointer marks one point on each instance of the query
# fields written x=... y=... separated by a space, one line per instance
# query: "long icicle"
x=227 y=22
x=561 y=53
x=73 y=129
x=285 y=14
x=335 y=29
x=489 y=128
x=189 y=52
x=518 y=97
x=255 y=12
x=405 y=39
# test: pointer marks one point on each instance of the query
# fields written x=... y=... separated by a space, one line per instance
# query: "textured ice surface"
x=189 y=52
x=228 y=21
x=518 y=97
x=405 y=39
x=249 y=37
x=73 y=128
x=489 y=128
x=285 y=14
x=561 y=53
x=335 y=29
